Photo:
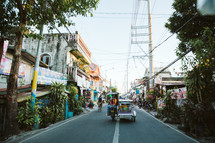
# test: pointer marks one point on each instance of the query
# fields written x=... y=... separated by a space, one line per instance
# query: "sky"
x=108 y=36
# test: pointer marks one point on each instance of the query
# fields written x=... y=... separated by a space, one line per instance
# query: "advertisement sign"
x=160 y=103
x=6 y=66
x=46 y=77
x=5 y=46
x=179 y=93
x=158 y=80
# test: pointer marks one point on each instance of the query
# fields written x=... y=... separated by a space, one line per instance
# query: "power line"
x=119 y=13
x=173 y=33
x=153 y=6
x=173 y=62
x=122 y=17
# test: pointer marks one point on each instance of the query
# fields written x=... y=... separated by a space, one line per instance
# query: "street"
x=96 y=127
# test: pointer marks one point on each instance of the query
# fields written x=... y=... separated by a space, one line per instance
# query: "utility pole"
x=151 y=65
x=127 y=76
x=149 y=42
x=106 y=75
x=110 y=85
x=36 y=69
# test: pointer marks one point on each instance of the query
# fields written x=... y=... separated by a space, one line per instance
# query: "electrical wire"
x=119 y=13
x=173 y=33
x=153 y=6
x=99 y=17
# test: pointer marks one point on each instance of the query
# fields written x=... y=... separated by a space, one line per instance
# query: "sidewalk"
x=26 y=134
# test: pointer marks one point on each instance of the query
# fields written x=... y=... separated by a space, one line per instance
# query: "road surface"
x=96 y=127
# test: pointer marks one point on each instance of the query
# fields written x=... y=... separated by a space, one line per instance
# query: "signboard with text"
x=46 y=77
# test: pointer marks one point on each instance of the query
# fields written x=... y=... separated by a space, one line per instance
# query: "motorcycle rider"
x=100 y=101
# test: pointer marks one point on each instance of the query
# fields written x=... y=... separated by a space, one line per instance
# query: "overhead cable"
x=171 y=63
x=118 y=13
x=173 y=33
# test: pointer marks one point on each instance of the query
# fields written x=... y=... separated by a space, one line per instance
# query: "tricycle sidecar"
x=126 y=109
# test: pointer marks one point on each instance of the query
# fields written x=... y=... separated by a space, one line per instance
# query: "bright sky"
x=107 y=35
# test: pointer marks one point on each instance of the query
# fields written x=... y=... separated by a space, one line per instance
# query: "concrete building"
x=25 y=75
x=70 y=56
x=97 y=81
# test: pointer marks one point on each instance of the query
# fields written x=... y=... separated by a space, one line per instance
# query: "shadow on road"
x=126 y=121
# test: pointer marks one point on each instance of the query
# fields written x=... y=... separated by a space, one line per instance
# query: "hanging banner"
x=6 y=66
x=46 y=77
x=5 y=46
x=3 y=60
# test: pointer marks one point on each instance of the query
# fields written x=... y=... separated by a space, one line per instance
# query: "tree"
x=114 y=89
x=187 y=23
x=196 y=32
x=18 y=17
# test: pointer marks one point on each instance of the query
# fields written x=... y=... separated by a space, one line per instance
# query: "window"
x=46 y=58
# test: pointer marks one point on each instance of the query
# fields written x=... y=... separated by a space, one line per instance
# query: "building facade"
x=70 y=56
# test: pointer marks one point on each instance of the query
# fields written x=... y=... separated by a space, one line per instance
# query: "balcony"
x=80 y=49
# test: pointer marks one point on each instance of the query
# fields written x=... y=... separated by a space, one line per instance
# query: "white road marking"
x=67 y=121
x=171 y=127
x=116 y=134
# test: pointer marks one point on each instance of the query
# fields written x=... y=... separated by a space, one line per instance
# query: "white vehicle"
x=125 y=107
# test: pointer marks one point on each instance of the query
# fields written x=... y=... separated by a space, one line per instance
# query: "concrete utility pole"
x=151 y=65
x=106 y=76
x=127 y=77
x=110 y=85
x=36 y=69
x=150 y=53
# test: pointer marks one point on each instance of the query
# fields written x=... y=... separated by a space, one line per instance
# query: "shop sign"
x=46 y=77
x=158 y=80
x=79 y=81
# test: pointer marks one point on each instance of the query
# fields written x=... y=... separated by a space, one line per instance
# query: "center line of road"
x=116 y=134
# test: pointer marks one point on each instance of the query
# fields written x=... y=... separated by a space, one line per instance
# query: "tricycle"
x=120 y=108
x=125 y=109
x=113 y=105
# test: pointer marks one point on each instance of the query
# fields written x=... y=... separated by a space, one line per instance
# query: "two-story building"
x=97 y=81
x=71 y=57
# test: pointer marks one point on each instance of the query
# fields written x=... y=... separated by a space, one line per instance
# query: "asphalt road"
x=96 y=127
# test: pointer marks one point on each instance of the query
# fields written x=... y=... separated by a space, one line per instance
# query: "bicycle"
x=99 y=107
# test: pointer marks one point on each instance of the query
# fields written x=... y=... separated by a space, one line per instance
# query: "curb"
x=28 y=134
